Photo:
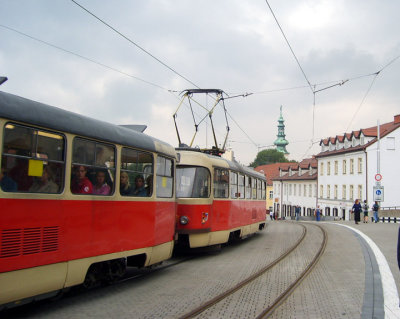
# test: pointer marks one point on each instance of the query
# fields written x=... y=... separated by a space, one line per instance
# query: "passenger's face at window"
x=100 y=178
x=124 y=179
x=139 y=182
x=81 y=172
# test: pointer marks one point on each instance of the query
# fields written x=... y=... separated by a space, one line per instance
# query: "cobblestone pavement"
x=334 y=289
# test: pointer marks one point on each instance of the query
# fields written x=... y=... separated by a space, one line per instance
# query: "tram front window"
x=192 y=182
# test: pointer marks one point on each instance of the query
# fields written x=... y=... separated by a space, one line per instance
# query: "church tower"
x=281 y=142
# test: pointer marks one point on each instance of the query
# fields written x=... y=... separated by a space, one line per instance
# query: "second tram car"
x=80 y=200
x=218 y=200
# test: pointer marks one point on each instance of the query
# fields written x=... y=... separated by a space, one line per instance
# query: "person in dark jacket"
x=356 y=210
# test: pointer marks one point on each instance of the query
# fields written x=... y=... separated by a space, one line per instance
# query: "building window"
x=336 y=167
x=351 y=192
x=328 y=191
x=351 y=166
x=344 y=167
x=335 y=191
x=294 y=189
x=322 y=169
x=359 y=165
x=304 y=190
x=360 y=192
x=390 y=143
x=321 y=191
x=309 y=190
x=271 y=194
x=290 y=189
x=328 y=168
x=344 y=192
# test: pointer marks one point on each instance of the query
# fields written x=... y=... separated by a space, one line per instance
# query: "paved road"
x=335 y=289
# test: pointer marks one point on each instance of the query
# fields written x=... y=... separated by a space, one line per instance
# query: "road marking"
x=390 y=294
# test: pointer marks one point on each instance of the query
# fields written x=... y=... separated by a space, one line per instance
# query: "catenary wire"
x=83 y=57
x=290 y=47
x=135 y=44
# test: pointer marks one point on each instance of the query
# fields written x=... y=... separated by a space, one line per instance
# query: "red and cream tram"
x=77 y=202
x=218 y=200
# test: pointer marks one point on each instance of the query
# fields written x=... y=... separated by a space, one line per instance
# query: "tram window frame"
x=141 y=167
x=221 y=183
x=27 y=159
x=164 y=177
x=259 y=190
x=241 y=187
x=263 y=190
x=248 y=186
x=233 y=182
x=89 y=154
x=196 y=181
x=254 y=188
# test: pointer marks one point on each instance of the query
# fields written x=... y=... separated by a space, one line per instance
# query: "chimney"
x=396 y=119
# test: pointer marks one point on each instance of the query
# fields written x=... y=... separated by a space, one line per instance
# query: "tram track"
x=282 y=296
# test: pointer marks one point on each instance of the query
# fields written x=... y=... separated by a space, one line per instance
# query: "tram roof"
x=20 y=109
x=231 y=164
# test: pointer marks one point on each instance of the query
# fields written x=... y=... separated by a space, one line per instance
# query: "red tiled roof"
x=270 y=171
x=384 y=129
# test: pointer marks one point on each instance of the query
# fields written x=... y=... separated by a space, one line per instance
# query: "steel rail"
x=246 y=281
x=278 y=301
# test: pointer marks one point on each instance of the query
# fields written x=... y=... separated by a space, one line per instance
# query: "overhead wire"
x=84 y=58
x=135 y=44
x=290 y=47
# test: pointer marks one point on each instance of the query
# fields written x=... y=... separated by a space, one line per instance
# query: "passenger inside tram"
x=45 y=183
x=7 y=184
x=140 y=189
x=80 y=183
x=101 y=187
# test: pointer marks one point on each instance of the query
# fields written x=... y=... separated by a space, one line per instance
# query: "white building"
x=348 y=164
x=296 y=185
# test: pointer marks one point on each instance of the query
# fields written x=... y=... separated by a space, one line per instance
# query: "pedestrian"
x=365 y=209
x=271 y=215
x=398 y=249
x=297 y=211
x=375 y=209
x=318 y=213
x=356 y=209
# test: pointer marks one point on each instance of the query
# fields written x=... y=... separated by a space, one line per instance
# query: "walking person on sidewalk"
x=375 y=209
x=365 y=209
x=297 y=211
x=356 y=210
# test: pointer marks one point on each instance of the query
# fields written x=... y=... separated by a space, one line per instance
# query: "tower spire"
x=281 y=142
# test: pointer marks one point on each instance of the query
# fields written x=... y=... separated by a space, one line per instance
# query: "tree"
x=269 y=156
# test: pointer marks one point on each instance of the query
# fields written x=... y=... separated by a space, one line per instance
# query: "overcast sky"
x=232 y=45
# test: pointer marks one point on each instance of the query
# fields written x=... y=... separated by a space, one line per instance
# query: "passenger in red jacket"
x=81 y=184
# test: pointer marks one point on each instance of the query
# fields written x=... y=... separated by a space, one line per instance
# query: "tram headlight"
x=184 y=220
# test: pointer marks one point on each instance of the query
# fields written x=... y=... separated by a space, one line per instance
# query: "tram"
x=77 y=200
x=218 y=200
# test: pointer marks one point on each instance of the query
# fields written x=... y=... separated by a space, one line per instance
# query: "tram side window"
x=164 y=178
x=192 y=182
x=263 y=189
x=221 y=183
x=248 y=186
x=259 y=191
x=241 y=185
x=254 y=188
x=93 y=167
x=136 y=176
x=234 y=185
x=32 y=160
